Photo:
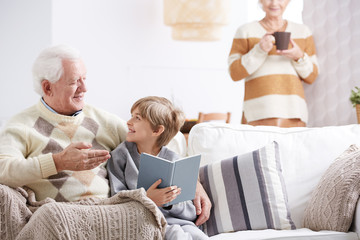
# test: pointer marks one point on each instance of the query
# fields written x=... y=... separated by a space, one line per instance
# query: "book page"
x=153 y=168
x=186 y=173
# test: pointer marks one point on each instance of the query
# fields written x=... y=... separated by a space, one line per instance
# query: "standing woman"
x=274 y=94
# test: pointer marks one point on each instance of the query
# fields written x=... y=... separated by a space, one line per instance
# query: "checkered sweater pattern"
x=29 y=139
x=273 y=83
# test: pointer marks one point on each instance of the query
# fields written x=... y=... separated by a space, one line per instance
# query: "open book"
x=182 y=173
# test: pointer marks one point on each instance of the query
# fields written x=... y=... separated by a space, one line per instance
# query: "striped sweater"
x=273 y=83
x=29 y=139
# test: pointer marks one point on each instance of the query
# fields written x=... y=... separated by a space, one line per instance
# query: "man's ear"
x=46 y=87
x=160 y=129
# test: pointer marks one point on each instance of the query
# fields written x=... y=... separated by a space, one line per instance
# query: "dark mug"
x=282 y=40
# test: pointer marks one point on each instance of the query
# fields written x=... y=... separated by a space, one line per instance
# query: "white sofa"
x=305 y=154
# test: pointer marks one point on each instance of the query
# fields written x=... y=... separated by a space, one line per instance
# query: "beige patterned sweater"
x=29 y=139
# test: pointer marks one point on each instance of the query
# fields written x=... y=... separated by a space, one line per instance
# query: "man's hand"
x=202 y=204
x=160 y=196
x=79 y=157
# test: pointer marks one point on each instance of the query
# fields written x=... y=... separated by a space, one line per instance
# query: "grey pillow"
x=333 y=202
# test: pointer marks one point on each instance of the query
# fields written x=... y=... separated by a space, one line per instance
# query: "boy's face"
x=140 y=130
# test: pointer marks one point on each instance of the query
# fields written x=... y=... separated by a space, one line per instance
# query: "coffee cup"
x=282 y=40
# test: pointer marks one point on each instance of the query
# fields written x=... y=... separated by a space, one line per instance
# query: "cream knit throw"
x=13 y=212
x=333 y=202
x=127 y=215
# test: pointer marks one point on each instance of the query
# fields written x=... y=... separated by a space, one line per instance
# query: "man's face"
x=67 y=95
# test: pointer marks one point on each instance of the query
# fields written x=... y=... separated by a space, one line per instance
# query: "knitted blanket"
x=127 y=215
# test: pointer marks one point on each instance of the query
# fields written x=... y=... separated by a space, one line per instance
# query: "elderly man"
x=58 y=147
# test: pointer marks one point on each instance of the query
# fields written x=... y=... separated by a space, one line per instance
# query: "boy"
x=154 y=122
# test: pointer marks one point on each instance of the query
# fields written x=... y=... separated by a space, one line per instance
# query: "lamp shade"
x=196 y=20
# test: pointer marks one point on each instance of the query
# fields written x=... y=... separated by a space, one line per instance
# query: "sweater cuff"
x=254 y=59
x=305 y=67
x=47 y=165
x=301 y=61
x=258 y=52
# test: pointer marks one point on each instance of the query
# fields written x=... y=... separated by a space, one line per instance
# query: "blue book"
x=182 y=173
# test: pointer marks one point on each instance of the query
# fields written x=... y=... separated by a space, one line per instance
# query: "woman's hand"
x=160 y=196
x=267 y=42
x=293 y=53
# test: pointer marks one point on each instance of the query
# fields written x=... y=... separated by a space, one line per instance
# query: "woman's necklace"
x=271 y=28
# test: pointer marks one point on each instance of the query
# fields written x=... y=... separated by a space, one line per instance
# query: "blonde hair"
x=160 y=111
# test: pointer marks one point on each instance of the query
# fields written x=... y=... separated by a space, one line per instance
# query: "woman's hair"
x=160 y=111
x=48 y=65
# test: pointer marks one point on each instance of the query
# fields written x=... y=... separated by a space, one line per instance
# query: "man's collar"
x=52 y=110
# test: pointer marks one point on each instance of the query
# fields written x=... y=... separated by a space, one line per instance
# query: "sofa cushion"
x=333 y=202
x=247 y=192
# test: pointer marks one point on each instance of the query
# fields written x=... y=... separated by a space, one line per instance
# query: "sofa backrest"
x=178 y=144
x=305 y=153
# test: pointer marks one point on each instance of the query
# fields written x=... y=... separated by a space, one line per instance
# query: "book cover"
x=182 y=173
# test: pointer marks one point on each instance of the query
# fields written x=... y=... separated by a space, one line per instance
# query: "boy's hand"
x=160 y=196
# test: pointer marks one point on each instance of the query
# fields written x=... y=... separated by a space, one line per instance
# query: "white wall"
x=25 y=27
x=128 y=51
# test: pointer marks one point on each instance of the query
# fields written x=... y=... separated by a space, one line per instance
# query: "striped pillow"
x=247 y=192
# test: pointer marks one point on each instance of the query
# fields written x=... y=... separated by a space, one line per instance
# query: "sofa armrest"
x=355 y=227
